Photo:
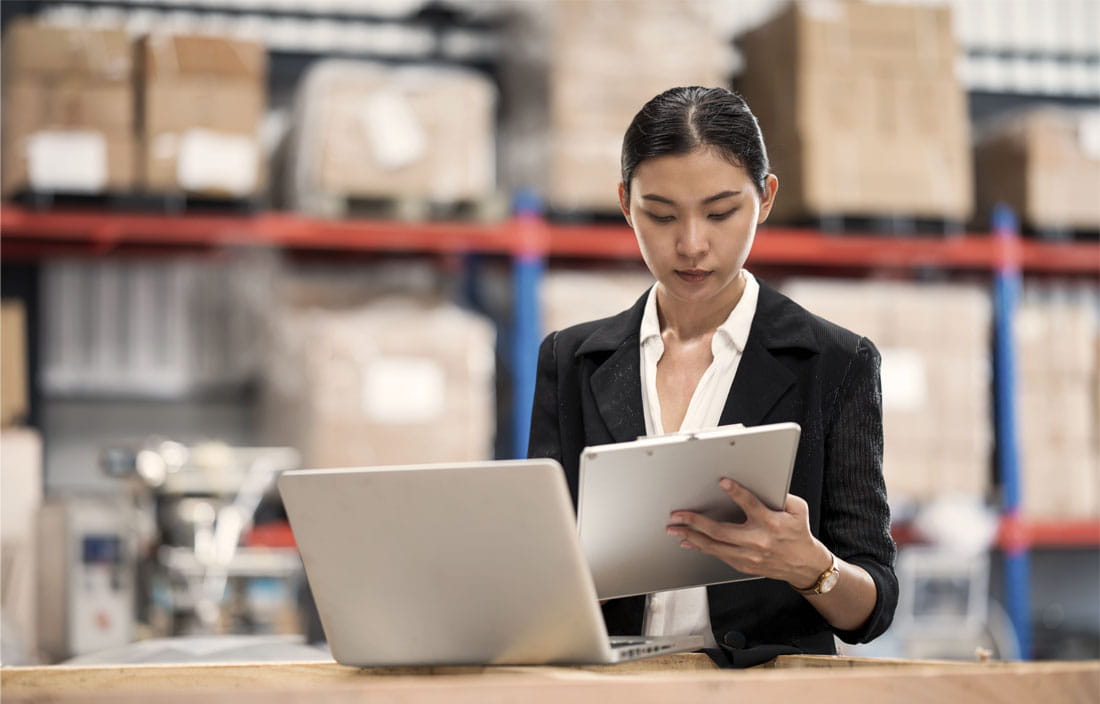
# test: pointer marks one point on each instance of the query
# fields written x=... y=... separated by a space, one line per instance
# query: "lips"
x=692 y=275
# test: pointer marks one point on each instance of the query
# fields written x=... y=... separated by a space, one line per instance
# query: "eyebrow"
x=708 y=199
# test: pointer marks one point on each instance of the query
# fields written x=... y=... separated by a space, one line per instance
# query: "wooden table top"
x=683 y=677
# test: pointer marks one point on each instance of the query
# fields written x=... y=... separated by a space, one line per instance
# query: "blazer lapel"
x=616 y=381
x=762 y=380
x=617 y=388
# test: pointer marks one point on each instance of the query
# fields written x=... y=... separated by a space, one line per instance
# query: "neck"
x=692 y=319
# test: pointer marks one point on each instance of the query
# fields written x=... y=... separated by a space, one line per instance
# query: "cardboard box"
x=202 y=100
x=13 y=363
x=577 y=72
x=860 y=110
x=69 y=103
x=68 y=115
x=393 y=382
x=39 y=51
x=1045 y=164
x=366 y=130
x=1059 y=431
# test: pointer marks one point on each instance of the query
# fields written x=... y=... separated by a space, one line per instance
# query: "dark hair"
x=683 y=119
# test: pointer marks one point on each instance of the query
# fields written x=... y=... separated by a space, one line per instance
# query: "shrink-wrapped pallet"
x=394 y=381
x=377 y=132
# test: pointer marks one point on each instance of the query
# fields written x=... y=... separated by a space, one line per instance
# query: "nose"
x=691 y=242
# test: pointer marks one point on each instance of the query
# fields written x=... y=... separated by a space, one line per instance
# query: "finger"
x=796 y=505
x=741 y=559
x=752 y=506
x=702 y=524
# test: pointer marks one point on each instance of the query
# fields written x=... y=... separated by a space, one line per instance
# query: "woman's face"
x=695 y=216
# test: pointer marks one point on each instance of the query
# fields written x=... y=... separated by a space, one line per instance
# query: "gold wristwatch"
x=825 y=582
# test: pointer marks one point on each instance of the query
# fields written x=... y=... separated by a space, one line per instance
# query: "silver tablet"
x=627 y=491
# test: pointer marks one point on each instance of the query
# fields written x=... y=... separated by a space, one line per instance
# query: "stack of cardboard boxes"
x=861 y=110
x=369 y=131
x=80 y=117
x=578 y=73
x=1045 y=164
x=68 y=122
x=936 y=376
x=1056 y=342
x=202 y=100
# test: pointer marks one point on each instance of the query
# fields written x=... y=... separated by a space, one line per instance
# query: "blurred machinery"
x=173 y=554
x=944 y=607
x=86 y=576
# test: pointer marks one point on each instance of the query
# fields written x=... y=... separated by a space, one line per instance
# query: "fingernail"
x=676 y=518
x=725 y=483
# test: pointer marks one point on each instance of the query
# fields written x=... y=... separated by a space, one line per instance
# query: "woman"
x=710 y=345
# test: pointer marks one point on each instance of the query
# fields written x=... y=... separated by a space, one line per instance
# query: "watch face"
x=830 y=581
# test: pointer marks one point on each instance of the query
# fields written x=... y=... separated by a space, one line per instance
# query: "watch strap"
x=815 y=588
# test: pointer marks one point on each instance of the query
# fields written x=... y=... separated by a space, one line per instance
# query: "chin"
x=692 y=292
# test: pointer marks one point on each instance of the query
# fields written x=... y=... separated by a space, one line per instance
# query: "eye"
x=663 y=219
x=722 y=216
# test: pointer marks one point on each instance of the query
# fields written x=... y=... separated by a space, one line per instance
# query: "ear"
x=624 y=203
x=771 y=187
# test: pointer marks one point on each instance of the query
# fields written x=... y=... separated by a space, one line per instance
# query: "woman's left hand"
x=773 y=544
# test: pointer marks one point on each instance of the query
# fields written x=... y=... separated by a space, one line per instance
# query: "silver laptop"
x=452 y=564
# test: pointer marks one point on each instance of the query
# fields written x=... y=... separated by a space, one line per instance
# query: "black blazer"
x=795 y=367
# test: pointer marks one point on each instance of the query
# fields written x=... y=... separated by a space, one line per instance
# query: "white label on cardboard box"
x=904 y=379
x=216 y=161
x=1088 y=133
x=68 y=161
x=395 y=134
x=403 y=390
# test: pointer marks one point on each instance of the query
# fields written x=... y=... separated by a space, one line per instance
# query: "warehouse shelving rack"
x=530 y=241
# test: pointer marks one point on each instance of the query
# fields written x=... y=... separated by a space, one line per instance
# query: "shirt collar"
x=735 y=329
x=651 y=324
x=737 y=325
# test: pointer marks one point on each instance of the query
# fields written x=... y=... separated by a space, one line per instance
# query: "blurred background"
x=245 y=236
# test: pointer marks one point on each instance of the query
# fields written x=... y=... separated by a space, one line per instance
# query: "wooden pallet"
x=130 y=202
x=407 y=209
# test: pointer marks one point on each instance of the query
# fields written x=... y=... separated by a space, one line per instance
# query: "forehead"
x=696 y=174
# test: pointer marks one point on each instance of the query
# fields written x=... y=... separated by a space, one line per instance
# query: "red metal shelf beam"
x=1024 y=534
x=28 y=232
x=106 y=231
x=792 y=246
x=1015 y=533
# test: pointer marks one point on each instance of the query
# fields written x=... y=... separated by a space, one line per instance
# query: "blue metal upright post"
x=1006 y=294
x=528 y=266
